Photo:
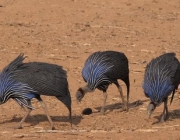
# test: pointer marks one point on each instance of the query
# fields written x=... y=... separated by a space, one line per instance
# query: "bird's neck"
x=153 y=104
x=86 y=89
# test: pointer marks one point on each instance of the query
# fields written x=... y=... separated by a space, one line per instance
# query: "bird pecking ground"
x=66 y=32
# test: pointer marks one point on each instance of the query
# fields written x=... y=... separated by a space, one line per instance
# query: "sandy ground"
x=66 y=32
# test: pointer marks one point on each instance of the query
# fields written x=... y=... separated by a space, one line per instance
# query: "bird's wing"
x=24 y=102
x=46 y=79
x=95 y=68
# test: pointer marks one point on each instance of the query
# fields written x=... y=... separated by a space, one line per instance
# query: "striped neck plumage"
x=81 y=92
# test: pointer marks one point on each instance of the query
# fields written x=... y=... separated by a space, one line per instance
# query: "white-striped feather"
x=95 y=68
x=156 y=79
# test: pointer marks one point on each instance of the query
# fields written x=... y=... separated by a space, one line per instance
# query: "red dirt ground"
x=66 y=32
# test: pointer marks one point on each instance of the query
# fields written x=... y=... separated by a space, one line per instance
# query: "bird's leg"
x=104 y=102
x=24 y=118
x=165 y=112
x=23 y=108
x=125 y=106
x=46 y=111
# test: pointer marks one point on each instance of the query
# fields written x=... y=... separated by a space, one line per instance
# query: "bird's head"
x=151 y=107
x=79 y=94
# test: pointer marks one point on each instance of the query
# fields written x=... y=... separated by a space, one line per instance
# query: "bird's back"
x=120 y=69
x=24 y=81
x=107 y=64
x=161 y=77
x=46 y=79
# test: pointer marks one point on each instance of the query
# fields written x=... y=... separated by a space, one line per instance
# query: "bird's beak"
x=78 y=100
x=149 y=113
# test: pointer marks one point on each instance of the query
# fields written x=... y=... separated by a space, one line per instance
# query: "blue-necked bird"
x=25 y=81
x=161 y=78
x=102 y=69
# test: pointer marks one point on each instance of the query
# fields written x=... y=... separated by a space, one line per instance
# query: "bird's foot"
x=164 y=117
x=162 y=120
x=167 y=116
x=124 y=108
x=102 y=111
x=19 y=126
x=52 y=128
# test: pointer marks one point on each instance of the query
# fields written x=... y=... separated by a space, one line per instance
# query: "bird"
x=161 y=78
x=24 y=81
x=101 y=69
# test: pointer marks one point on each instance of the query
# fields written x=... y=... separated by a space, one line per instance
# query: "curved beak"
x=151 y=108
x=149 y=113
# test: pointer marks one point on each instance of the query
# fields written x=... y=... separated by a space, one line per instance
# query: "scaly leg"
x=46 y=111
x=24 y=118
x=122 y=97
x=104 y=102
x=165 y=112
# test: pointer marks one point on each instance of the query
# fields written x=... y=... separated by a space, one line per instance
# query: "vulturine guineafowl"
x=161 y=78
x=25 y=81
x=102 y=69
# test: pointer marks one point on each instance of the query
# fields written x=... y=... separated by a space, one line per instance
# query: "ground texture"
x=66 y=32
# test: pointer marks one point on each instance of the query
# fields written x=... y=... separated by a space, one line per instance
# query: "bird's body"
x=24 y=81
x=161 y=78
x=102 y=69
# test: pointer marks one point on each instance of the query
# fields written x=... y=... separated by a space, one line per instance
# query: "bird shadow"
x=36 y=119
x=116 y=106
x=174 y=114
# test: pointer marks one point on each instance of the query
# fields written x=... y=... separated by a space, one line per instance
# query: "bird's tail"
x=15 y=63
x=67 y=102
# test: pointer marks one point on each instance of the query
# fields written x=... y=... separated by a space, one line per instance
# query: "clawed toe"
x=18 y=127
x=124 y=108
x=164 y=118
x=52 y=128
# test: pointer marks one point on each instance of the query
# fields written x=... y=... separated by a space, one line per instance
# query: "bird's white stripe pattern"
x=9 y=88
x=157 y=80
x=94 y=69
